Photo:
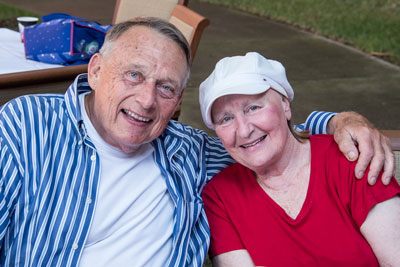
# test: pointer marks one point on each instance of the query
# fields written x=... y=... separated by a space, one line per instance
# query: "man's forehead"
x=140 y=39
x=142 y=49
x=142 y=34
x=140 y=42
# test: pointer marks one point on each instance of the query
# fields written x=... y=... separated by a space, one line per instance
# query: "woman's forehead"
x=243 y=98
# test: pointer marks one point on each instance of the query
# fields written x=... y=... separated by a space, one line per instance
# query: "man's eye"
x=166 y=91
x=134 y=75
x=166 y=87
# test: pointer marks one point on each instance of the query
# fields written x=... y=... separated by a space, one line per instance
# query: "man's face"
x=136 y=88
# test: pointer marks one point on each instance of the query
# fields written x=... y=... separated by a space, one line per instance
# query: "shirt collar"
x=172 y=138
x=79 y=86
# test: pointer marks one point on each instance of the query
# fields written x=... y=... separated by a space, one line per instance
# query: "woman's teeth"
x=254 y=143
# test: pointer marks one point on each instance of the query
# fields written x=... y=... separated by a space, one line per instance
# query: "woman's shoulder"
x=324 y=146
x=328 y=161
x=322 y=139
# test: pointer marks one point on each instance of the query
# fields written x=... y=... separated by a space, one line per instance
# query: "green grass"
x=9 y=14
x=372 y=26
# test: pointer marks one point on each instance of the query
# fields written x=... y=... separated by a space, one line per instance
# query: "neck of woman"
x=286 y=180
x=293 y=157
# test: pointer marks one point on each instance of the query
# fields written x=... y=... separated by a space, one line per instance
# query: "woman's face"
x=253 y=128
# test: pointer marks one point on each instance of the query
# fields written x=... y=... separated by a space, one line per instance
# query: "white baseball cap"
x=247 y=75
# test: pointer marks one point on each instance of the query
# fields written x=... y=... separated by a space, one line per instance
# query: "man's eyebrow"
x=136 y=67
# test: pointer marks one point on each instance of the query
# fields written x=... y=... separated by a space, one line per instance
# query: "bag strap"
x=53 y=16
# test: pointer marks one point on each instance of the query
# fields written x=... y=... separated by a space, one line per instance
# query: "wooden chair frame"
x=118 y=6
x=394 y=137
x=189 y=17
x=192 y=25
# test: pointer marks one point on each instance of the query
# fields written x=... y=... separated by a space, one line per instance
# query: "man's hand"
x=351 y=130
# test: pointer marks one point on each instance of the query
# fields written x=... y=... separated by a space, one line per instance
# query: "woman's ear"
x=94 y=67
x=286 y=107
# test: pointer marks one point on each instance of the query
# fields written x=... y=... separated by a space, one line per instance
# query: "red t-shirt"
x=326 y=231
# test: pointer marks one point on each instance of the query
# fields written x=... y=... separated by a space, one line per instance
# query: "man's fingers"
x=367 y=152
x=389 y=165
x=389 y=169
x=363 y=161
x=346 y=145
x=358 y=138
x=376 y=165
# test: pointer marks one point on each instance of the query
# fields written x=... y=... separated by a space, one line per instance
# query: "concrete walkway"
x=325 y=75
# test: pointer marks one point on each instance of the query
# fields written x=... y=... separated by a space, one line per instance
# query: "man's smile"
x=134 y=116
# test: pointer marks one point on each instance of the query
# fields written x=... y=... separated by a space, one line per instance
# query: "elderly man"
x=101 y=177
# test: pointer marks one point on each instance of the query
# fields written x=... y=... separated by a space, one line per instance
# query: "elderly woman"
x=290 y=200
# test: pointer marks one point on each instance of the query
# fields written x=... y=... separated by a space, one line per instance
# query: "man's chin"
x=131 y=147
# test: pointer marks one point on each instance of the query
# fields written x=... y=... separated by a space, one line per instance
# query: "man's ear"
x=179 y=101
x=94 y=67
x=181 y=94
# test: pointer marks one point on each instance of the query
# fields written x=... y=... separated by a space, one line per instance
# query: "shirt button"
x=80 y=142
x=88 y=200
x=93 y=157
x=75 y=246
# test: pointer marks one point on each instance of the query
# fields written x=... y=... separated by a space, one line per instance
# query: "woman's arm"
x=239 y=258
x=381 y=230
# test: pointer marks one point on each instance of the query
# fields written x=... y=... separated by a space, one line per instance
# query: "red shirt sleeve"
x=224 y=237
x=356 y=194
x=364 y=196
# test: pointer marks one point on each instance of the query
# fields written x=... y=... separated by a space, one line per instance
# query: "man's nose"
x=146 y=94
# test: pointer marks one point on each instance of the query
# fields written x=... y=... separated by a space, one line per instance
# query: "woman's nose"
x=245 y=126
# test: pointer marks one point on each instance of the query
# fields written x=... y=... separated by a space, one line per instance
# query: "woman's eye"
x=253 y=108
x=226 y=119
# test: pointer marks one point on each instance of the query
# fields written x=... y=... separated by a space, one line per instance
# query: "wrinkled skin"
x=136 y=88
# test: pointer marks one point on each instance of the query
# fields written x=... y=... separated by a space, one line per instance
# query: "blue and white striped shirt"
x=50 y=177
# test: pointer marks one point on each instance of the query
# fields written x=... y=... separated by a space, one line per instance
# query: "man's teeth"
x=135 y=116
x=254 y=143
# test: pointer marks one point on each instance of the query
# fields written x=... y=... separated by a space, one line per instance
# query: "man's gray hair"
x=157 y=24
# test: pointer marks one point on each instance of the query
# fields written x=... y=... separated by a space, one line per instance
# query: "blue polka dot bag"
x=63 y=39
